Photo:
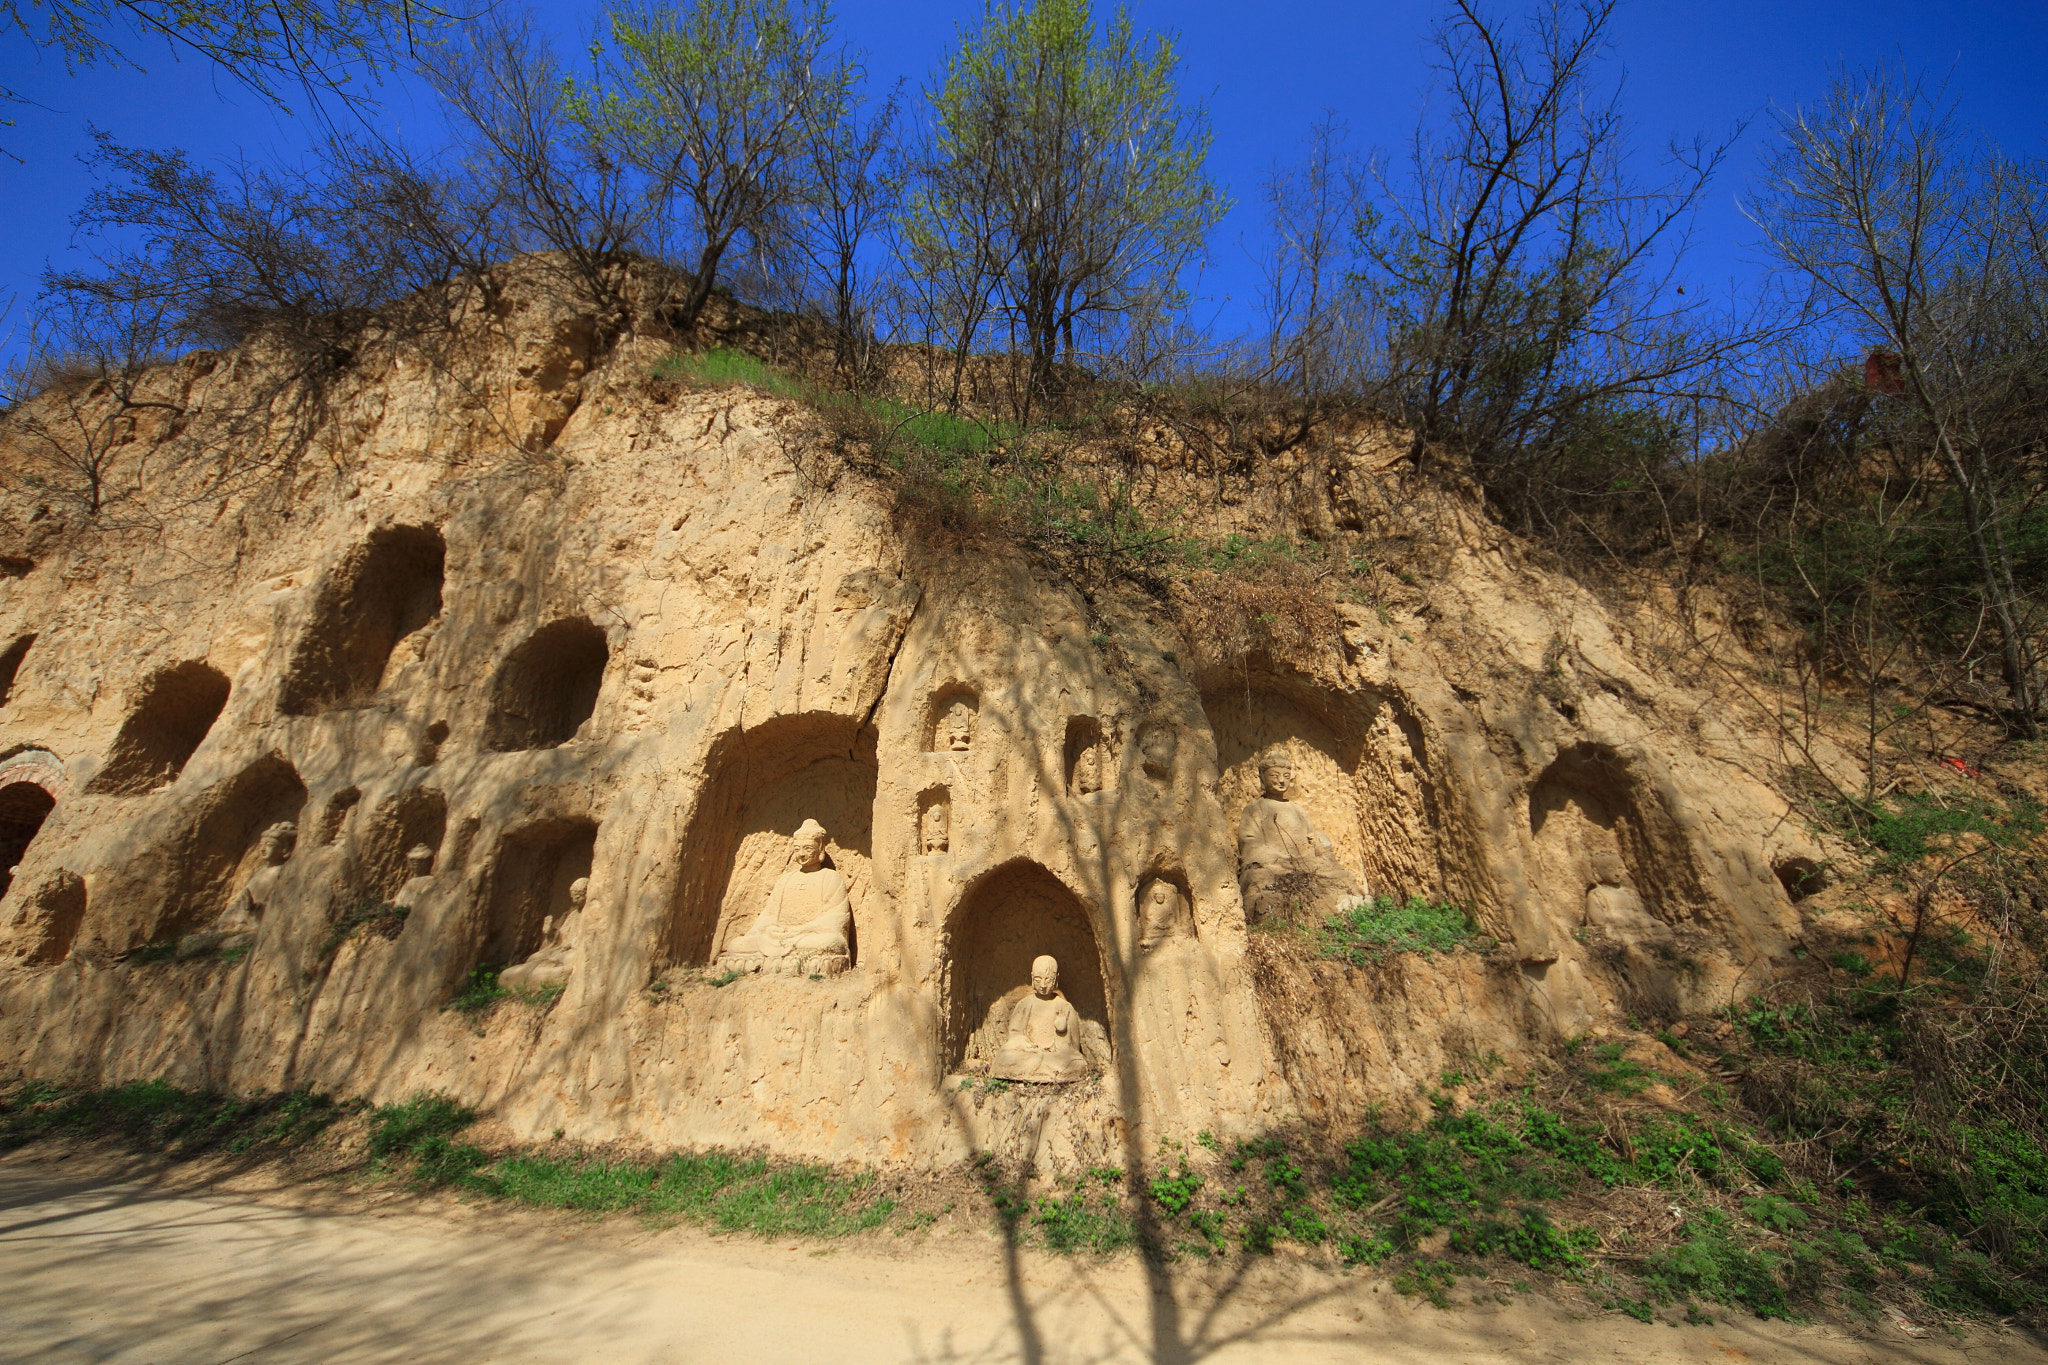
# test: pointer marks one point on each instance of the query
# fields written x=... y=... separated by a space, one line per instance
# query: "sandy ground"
x=108 y=1264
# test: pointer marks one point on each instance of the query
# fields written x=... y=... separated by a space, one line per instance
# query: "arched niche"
x=387 y=588
x=222 y=847
x=1165 y=908
x=763 y=784
x=10 y=665
x=1088 y=760
x=529 y=881
x=172 y=715
x=23 y=808
x=1326 y=763
x=1008 y=917
x=1605 y=846
x=952 y=719
x=47 y=924
x=418 y=815
x=547 y=687
x=335 y=813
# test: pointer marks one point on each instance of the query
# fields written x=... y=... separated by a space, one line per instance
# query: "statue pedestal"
x=792 y=964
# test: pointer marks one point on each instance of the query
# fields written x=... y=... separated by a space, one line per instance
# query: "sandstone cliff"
x=507 y=601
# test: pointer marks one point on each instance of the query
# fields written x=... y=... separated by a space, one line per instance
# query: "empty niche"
x=1009 y=917
x=1089 y=763
x=223 y=848
x=530 y=881
x=764 y=783
x=48 y=924
x=951 y=723
x=934 y=821
x=547 y=687
x=10 y=665
x=413 y=817
x=386 y=589
x=334 y=815
x=23 y=808
x=176 y=709
x=1609 y=858
x=1324 y=765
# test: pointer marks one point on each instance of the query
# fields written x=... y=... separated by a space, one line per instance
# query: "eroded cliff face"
x=646 y=654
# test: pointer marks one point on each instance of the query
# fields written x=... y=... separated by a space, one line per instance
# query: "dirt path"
x=98 y=1266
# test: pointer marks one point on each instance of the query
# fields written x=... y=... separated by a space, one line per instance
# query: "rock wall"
x=646 y=657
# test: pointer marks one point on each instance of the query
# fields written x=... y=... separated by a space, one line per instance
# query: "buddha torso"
x=1277 y=833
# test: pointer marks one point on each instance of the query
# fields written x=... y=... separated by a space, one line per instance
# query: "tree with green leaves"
x=712 y=101
x=1063 y=179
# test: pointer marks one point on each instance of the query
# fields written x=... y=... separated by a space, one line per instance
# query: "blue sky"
x=1266 y=72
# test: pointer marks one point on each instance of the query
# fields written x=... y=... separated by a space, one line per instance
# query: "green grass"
x=721 y=1190
x=721 y=367
x=157 y=1116
x=1370 y=932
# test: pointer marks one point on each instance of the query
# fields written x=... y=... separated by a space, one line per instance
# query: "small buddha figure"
x=1088 y=771
x=1281 y=856
x=1043 y=1041
x=550 y=965
x=804 y=926
x=237 y=927
x=956 y=732
x=1612 y=903
x=938 y=828
x=419 y=876
x=1161 y=914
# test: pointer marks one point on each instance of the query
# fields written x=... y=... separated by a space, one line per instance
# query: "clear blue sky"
x=1266 y=72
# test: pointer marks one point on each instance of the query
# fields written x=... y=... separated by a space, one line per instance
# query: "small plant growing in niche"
x=480 y=990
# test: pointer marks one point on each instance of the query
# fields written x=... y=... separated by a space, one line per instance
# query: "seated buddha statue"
x=550 y=964
x=1283 y=861
x=1043 y=1041
x=244 y=916
x=804 y=927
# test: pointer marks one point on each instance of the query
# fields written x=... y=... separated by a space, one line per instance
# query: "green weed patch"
x=1374 y=930
x=156 y=1116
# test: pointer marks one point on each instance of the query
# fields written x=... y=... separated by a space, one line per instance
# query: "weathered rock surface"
x=646 y=656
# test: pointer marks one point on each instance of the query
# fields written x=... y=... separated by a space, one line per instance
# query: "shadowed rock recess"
x=790 y=799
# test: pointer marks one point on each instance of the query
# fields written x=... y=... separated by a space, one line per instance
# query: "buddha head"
x=1045 y=977
x=419 y=861
x=808 y=845
x=278 y=841
x=1276 y=773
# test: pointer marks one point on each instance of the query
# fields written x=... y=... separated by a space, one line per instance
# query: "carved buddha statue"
x=1161 y=914
x=1043 y=1041
x=956 y=732
x=550 y=964
x=1282 y=857
x=244 y=916
x=804 y=926
x=938 y=828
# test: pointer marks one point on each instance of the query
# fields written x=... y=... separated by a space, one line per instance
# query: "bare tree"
x=265 y=45
x=1924 y=247
x=1526 y=279
x=1314 y=210
x=560 y=187
x=852 y=189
